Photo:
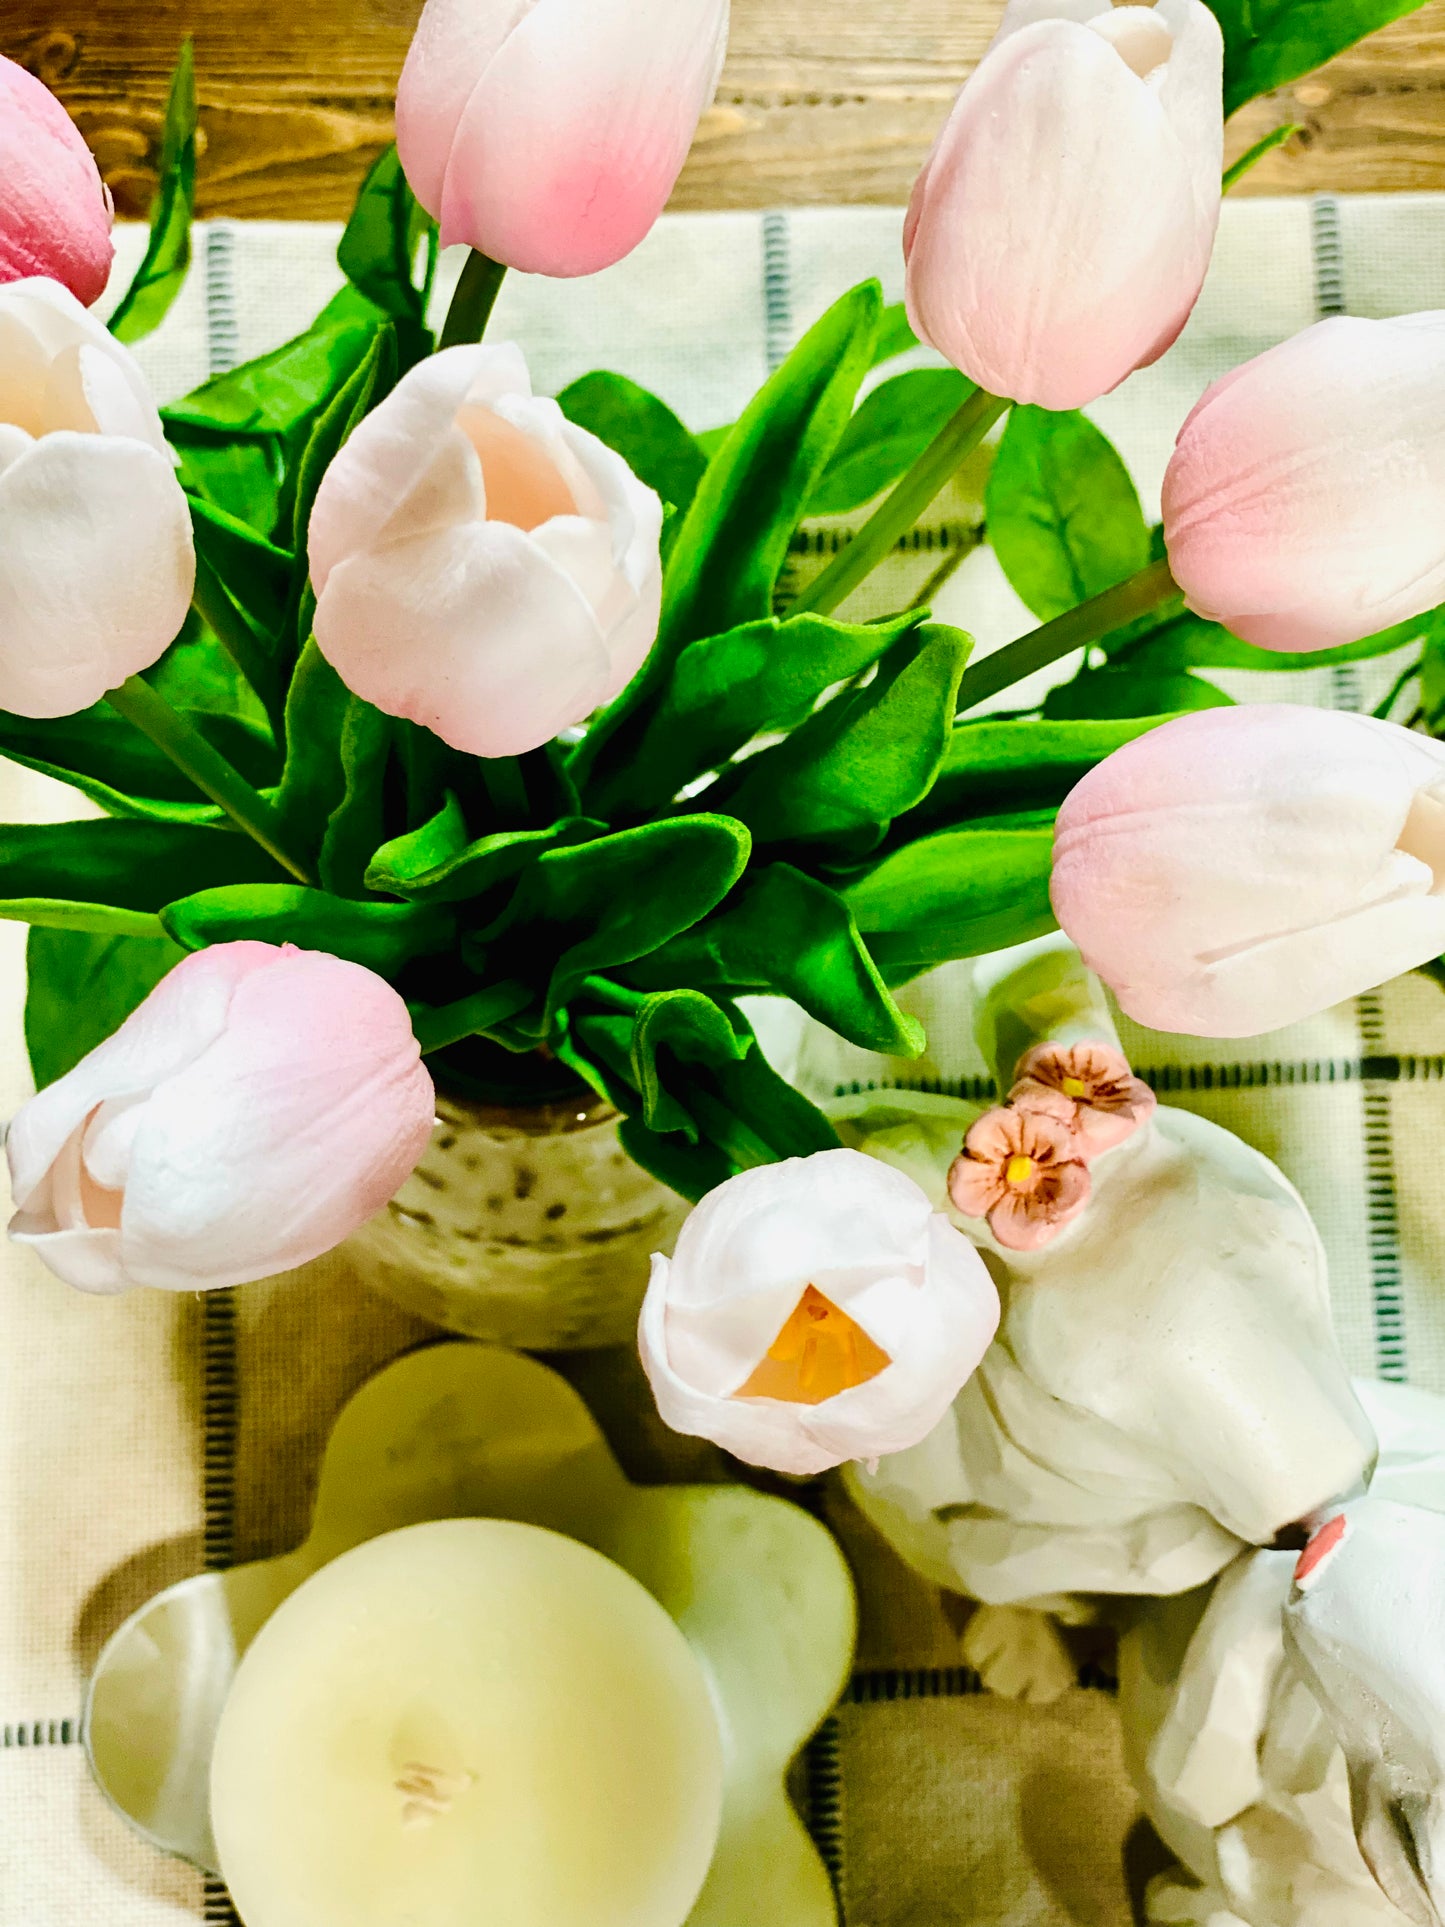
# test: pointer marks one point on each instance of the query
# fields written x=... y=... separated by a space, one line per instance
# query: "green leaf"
x=692 y=1170
x=1062 y=514
x=162 y=272
x=1188 y=641
x=109 y=760
x=112 y=876
x=641 y=429
x=895 y=334
x=783 y=932
x=725 y=690
x=383 y=936
x=80 y=988
x=356 y=827
x=893 y=426
x=255 y=573
x=440 y=863
x=372 y=376
x=313 y=781
x=993 y=767
x=733 y=542
x=1125 y=691
x=281 y=391
x=863 y=758
x=957 y=894
x=1252 y=156
x=616 y=898
x=1268 y=43
x=378 y=250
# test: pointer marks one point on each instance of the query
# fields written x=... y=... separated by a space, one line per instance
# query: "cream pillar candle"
x=470 y=1723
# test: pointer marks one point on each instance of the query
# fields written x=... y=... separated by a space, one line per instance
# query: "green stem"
x=1102 y=614
x=437 y=1025
x=473 y=301
x=737 y=1141
x=899 y=510
x=506 y=786
x=206 y=767
x=219 y=612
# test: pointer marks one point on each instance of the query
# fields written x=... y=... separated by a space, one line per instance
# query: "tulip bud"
x=1304 y=505
x=55 y=211
x=1238 y=869
x=481 y=565
x=549 y=135
x=259 y=1106
x=815 y=1311
x=97 y=564
x=1058 y=235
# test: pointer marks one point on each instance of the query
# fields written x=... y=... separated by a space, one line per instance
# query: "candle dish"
x=758 y=1588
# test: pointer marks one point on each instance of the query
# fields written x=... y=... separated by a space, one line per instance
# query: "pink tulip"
x=1058 y=235
x=1304 y=506
x=481 y=565
x=55 y=211
x=549 y=133
x=1238 y=869
x=260 y=1105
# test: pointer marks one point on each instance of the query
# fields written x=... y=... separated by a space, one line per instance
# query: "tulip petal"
x=55 y=215
x=577 y=129
x=454 y=42
x=470 y=631
x=96 y=570
x=292 y=1128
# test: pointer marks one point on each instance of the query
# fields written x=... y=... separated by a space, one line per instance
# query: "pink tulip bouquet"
x=446 y=733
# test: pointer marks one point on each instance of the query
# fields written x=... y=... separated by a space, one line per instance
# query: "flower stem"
x=215 y=607
x=437 y=1025
x=473 y=301
x=1135 y=596
x=900 y=509
x=206 y=767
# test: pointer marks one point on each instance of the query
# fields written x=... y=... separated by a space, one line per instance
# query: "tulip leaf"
x=1268 y=43
x=80 y=988
x=1262 y=148
x=956 y=894
x=1127 y=691
x=111 y=876
x=1187 y=641
x=1063 y=516
x=313 y=781
x=379 y=248
x=383 y=936
x=893 y=426
x=895 y=334
x=784 y=932
x=641 y=429
x=727 y=689
x=587 y=906
x=992 y=767
x=702 y=1074
x=254 y=572
x=162 y=272
x=866 y=756
x=107 y=759
x=725 y=562
x=440 y=863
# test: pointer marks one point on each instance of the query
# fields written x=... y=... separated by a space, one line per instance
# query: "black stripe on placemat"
x=875 y=1685
x=1380 y=1067
x=218 y=1909
x=937 y=539
x=1329 y=255
x=223 y=333
x=777 y=290
x=1382 y=1211
x=824 y=1779
x=33 y=1733
x=220 y=1415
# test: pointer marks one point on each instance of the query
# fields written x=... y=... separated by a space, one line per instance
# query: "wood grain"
x=821 y=100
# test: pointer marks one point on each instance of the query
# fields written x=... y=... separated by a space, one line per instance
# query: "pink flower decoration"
x=1088 y=1088
x=1022 y=1171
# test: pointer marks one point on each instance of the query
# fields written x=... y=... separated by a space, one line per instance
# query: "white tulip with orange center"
x=815 y=1311
x=481 y=565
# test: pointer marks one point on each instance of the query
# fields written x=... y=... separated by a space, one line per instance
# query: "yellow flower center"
x=818 y=1353
x=1018 y=1170
x=1074 y=1087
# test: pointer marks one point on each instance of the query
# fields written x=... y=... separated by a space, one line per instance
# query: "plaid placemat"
x=147 y=1437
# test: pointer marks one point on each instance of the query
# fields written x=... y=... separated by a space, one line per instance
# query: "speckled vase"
x=528 y=1227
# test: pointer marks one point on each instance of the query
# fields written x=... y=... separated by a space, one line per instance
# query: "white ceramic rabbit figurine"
x=1286 y=1727
x=1165 y=1385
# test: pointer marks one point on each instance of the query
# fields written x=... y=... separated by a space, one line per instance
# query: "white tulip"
x=815 y=1311
x=481 y=565
x=97 y=564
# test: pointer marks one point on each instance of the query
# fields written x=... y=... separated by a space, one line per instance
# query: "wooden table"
x=821 y=100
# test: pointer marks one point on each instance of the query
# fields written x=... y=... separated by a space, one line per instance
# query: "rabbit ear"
x=1393 y=1828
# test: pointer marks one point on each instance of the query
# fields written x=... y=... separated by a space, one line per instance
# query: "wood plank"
x=821 y=100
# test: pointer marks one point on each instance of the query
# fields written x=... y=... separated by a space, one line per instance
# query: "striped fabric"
x=146 y=1438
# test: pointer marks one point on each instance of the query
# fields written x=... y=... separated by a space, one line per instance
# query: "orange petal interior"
x=818 y=1353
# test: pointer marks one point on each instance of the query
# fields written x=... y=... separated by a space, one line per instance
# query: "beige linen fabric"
x=144 y=1437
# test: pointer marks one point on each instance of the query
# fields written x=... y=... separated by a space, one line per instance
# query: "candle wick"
x=427 y=1792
